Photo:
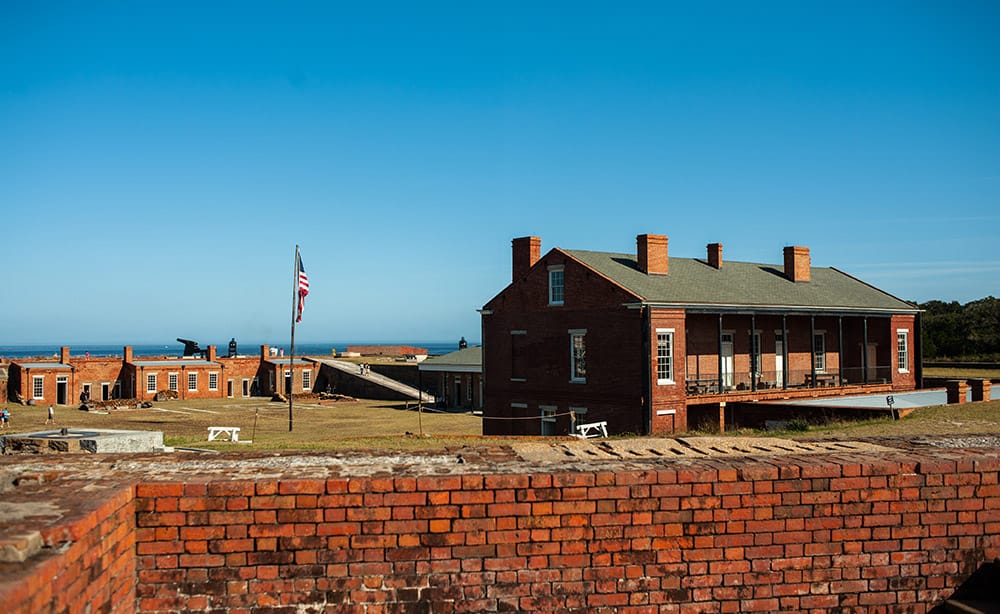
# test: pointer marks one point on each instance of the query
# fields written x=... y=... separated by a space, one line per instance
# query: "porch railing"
x=708 y=384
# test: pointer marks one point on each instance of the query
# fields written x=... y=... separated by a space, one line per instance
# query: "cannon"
x=191 y=348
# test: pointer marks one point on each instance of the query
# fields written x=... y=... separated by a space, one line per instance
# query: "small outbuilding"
x=459 y=377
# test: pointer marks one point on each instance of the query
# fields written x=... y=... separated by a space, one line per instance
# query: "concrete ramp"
x=349 y=377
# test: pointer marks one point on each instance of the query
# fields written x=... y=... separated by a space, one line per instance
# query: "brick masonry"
x=88 y=559
x=894 y=532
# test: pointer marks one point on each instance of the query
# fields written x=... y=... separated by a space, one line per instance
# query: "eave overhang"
x=773 y=309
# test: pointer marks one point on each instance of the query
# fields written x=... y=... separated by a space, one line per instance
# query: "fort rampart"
x=484 y=530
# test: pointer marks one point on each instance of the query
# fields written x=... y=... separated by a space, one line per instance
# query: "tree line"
x=961 y=332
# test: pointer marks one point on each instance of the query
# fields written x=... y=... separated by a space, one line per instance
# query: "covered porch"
x=757 y=355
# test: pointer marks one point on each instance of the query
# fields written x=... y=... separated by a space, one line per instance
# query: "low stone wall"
x=893 y=530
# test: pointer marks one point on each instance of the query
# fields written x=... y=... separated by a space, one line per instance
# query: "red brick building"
x=645 y=341
x=63 y=382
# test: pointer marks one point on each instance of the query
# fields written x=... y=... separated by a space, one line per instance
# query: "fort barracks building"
x=63 y=381
x=650 y=343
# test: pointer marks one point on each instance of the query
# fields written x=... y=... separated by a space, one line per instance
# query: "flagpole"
x=291 y=358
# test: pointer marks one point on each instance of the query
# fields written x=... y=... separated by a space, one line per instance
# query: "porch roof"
x=57 y=366
x=175 y=362
x=693 y=282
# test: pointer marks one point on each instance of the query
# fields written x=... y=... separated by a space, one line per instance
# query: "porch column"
x=864 y=350
x=722 y=416
x=981 y=389
x=957 y=390
x=784 y=352
x=719 y=352
x=754 y=357
x=840 y=349
x=812 y=352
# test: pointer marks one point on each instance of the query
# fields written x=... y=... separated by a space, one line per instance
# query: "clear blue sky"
x=160 y=160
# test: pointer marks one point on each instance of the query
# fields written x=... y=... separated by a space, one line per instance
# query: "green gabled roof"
x=693 y=282
x=469 y=357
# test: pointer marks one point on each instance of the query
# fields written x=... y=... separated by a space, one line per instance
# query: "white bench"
x=227 y=433
x=591 y=430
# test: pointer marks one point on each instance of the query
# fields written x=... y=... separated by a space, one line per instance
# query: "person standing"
x=4 y=418
x=52 y=416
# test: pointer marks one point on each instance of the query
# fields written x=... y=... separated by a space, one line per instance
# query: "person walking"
x=52 y=416
x=4 y=418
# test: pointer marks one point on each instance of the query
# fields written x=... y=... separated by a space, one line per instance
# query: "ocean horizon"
x=49 y=350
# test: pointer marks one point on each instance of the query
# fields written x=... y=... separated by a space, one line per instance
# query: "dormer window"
x=556 y=285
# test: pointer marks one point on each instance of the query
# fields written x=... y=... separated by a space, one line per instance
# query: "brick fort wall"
x=891 y=532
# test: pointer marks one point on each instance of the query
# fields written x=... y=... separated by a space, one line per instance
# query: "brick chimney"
x=210 y=355
x=264 y=352
x=64 y=355
x=797 y=264
x=526 y=251
x=651 y=254
x=715 y=255
x=127 y=354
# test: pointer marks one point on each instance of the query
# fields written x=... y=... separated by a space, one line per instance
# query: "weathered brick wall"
x=88 y=563
x=803 y=533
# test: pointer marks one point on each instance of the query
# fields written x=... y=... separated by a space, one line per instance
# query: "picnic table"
x=591 y=430
x=224 y=433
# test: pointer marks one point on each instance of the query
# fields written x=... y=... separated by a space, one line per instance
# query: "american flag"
x=303 y=289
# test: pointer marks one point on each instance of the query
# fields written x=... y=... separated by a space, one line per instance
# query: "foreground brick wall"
x=892 y=532
x=88 y=565
x=798 y=534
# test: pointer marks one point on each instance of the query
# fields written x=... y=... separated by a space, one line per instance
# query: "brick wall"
x=799 y=534
x=614 y=390
x=88 y=565
x=890 y=533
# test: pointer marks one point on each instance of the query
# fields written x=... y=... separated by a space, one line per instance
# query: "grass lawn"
x=964 y=419
x=961 y=373
x=384 y=425
x=360 y=424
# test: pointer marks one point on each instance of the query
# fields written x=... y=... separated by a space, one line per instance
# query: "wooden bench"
x=227 y=433
x=592 y=430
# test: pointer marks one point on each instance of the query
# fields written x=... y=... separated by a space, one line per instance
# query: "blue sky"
x=159 y=161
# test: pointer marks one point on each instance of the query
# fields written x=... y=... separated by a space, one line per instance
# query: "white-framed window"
x=548 y=419
x=307 y=377
x=213 y=381
x=819 y=351
x=557 y=284
x=172 y=381
x=38 y=386
x=192 y=381
x=903 y=350
x=151 y=382
x=664 y=356
x=578 y=355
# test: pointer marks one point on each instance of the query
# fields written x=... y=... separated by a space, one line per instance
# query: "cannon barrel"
x=190 y=347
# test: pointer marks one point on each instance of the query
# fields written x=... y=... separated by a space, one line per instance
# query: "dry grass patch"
x=962 y=419
x=961 y=373
x=360 y=424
